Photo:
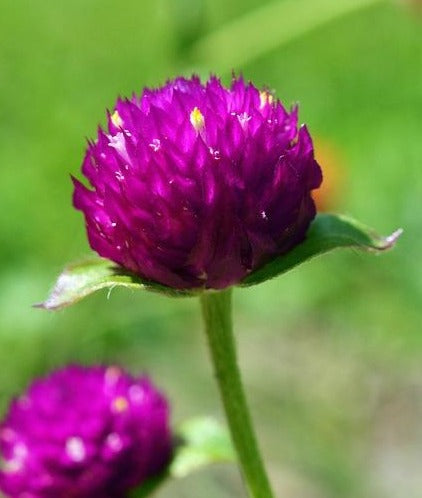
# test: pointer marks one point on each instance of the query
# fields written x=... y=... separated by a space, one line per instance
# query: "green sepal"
x=327 y=232
x=81 y=279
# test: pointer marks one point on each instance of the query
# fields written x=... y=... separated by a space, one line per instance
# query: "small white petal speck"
x=16 y=460
x=75 y=449
x=7 y=434
x=243 y=119
x=20 y=451
x=118 y=143
x=114 y=441
x=215 y=154
x=136 y=393
x=155 y=144
x=112 y=375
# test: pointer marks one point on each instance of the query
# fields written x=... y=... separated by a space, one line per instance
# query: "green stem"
x=217 y=313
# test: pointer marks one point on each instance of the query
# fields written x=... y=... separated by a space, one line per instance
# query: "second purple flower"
x=84 y=432
x=196 y=185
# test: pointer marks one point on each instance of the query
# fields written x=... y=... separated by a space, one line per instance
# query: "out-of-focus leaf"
x=201 y=441
x=81 y=279
x=204 y=441
x=284 y=21
x=327 y=232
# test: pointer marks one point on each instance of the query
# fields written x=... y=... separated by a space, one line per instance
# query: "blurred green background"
x=331 y=352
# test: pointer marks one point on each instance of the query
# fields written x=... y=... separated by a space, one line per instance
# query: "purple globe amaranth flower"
x=84 y=432
x=196 y=185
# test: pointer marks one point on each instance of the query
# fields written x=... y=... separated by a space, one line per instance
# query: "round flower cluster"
x=84 y=432
x=196 y=185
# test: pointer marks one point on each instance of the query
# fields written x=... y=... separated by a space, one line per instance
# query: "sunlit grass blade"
x=260 y=31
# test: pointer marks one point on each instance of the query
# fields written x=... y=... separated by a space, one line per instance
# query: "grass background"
x=332 y=352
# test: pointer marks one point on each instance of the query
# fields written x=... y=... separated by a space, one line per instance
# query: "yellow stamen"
x=120 y=404
x=116 y=119
x=265 y=98
x=197 y=119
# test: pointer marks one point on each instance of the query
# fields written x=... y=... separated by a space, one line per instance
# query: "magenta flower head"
x=196 y=185
x=84 y=433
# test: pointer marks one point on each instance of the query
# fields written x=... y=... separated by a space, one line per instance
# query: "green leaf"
x=204 y=441
x=201 y=441
x=327 y=232
x=81 y=279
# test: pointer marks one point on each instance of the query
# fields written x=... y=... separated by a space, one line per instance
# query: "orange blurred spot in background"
x=415 y=4
x=333 y=171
